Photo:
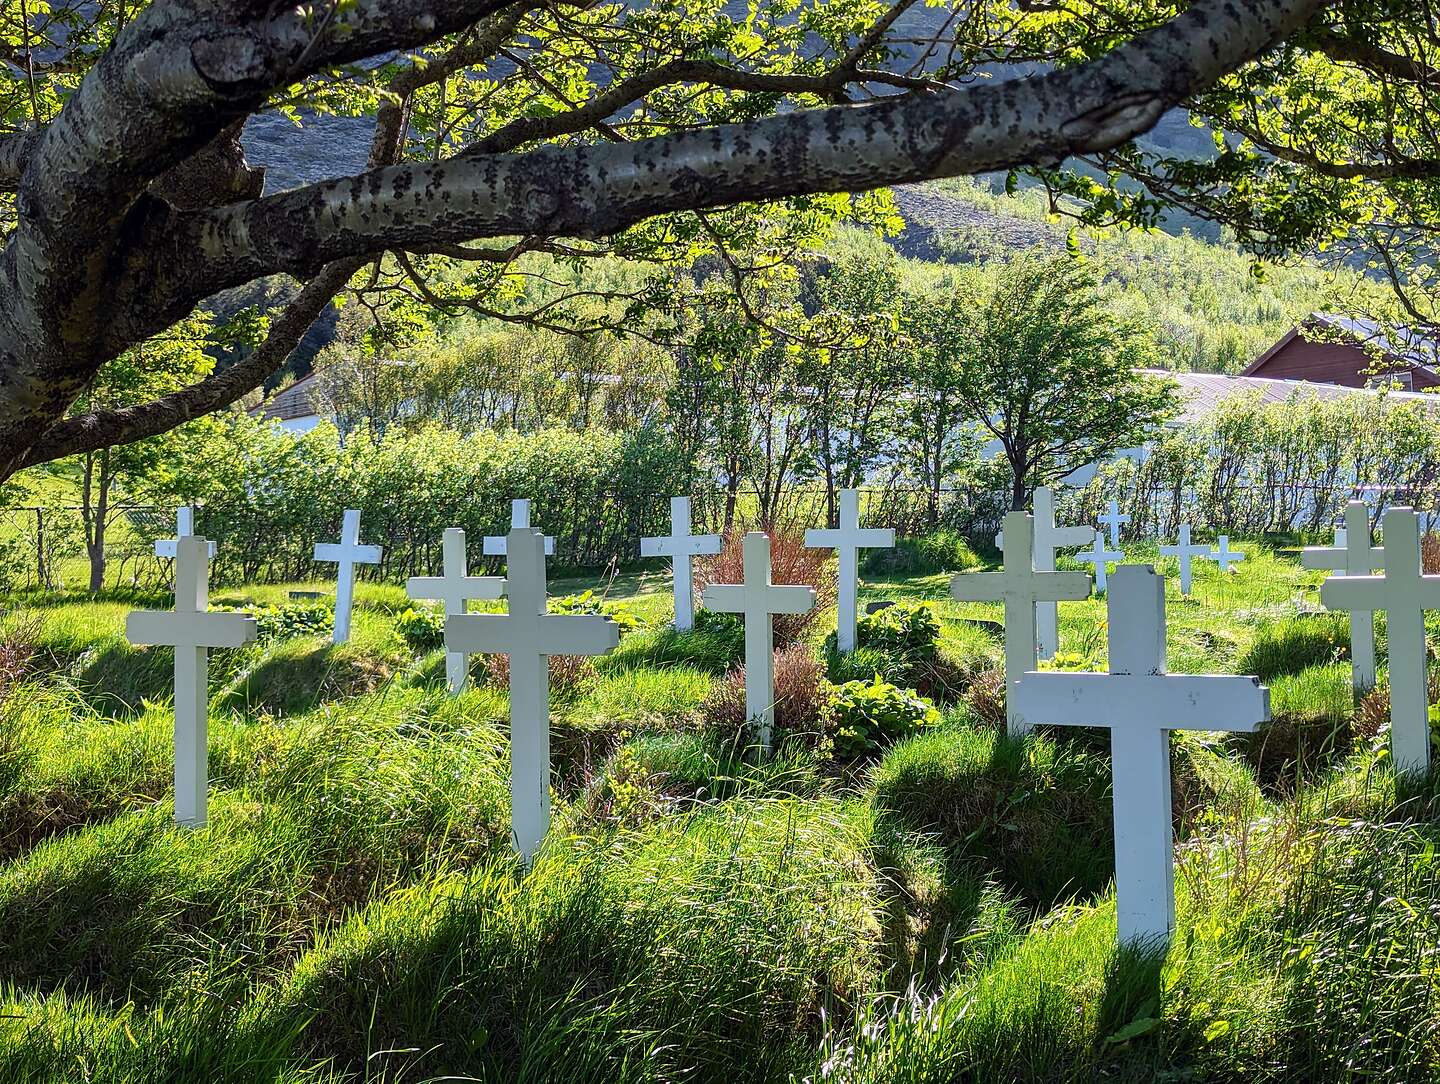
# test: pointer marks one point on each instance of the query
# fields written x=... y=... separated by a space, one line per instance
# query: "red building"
x=1352 y=352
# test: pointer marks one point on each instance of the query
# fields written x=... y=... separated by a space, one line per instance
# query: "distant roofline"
x=1339 y=323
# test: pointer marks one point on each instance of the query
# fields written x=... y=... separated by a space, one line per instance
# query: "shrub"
x=986 y=697
x=288 y=622
x=942 y=550
x=867 y=715
x=569 y=674
x=1296 y=644
x=801 y=694
x=907 y=628
x=587 y=602
x=791 y=562
x=1430 y=553
x=1372 y=715
x=422 y=628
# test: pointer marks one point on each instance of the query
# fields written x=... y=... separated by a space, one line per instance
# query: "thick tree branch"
x=595 y=191
x=1368 y=55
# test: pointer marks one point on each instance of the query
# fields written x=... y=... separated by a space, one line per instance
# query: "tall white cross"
x=1019 y=587
x=1353 y=555
x=347 y=553
x=847 y=541
x=191 y=630
x=757 y=599
x=1186 y=552
x=455 y=587
x=1113 y=518
x=1404 y=594
x=493 y=545
x=1098 y=555
x=184 y=528
x=1224 y=556
x=1141 y=704
x=529 y=636
x=1048 y=539
x=682 y=548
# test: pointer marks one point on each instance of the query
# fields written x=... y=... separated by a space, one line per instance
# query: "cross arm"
x=1065 y=537
x=577 y=634
x=695 y=545
x=167 y=628
x=978 y=587
x=1322 y=558
x=1156 y=701
x=728 y=598
x=488 y=634
x=1358 y=592
x=790 y=599
x=335 y=551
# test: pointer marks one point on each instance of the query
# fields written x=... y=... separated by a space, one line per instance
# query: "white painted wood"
x=191 y=630
x=1353 y=555
x=184 y=528
x=1098 y=555
x=847 y=541
x=1404 y=594
x=346 y=554
x=455 y=587
x=1114 y=519
x=756 y=600
x=1048 y=539
x=1140 y=703
x=1224 y=556
x=682 y=547
x=1187 y=552
x=493 y=545
x=529 y=636
x=1019 y=586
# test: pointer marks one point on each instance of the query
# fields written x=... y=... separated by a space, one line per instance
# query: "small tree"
x=1044 y=367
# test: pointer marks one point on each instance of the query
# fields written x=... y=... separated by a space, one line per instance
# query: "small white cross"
x=1353 y=555
x=1098 y=555
x=1141 y=704
x=455 y=588
x=682 y=547
x=757 y=599
x=1019 y=587
x=1224 y=556
x=847 y=541
x=1187 y=553
x=529 y=636
x=347 y=553
x=493 y=545
x=191 y=630
x=1404 y=594
x=184 y=528
x=1113 y=519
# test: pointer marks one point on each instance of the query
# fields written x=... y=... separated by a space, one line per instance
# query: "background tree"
x=1042 y=365
x=493 y=119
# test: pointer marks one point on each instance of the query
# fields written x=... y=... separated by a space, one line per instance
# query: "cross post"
x=1224 y=556
x=1098 y=555
x=1353 y=555
x=494 y=545
x=184 y=527
x=682 y=547
x=191 y=630
x=756 y=600
x=529 y=636
x=347 y=553
x=1140 y=703
x=1186 y=553
x=455 y=587
x=1019 y=587
x=1049 y=538
x=1113 y=518
x=1404 y=594
x=847 y=541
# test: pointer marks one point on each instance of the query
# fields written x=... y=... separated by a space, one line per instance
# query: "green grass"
x=940 y=912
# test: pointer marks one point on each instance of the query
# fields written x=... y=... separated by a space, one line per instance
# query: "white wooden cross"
x=493 y=545
x=1353 y=555
x=347 y=553
x=191 y=630
x=757 y=599
x=1113 y=518
x=455 y=587
x=1224 y=556
x=529 y=636
x=184 y=528
x=1098 y=555
x=1404 y=594
x=1019 y=587
x=1141 y=704
x=847 y=541
x=682 y=548
x=1186 y=552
